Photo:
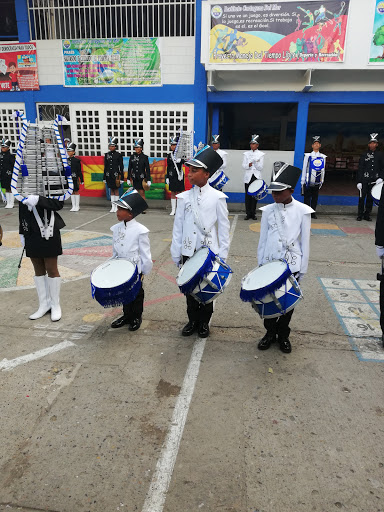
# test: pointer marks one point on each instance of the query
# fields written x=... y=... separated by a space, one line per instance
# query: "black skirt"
x=38 y=247
x=138 y=184
x=176 y=185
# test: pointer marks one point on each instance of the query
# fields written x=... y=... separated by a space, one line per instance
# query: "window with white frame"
x=89 y=19
x=92 y=125
x=9 y=126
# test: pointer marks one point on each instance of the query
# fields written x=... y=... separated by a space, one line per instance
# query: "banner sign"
x=111 y=62
x=18 y=67
x=250 y=33
x=376 y=55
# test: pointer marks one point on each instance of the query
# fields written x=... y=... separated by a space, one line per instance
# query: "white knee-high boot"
x=115 y=205
x=54 y=284
x=173 y=203
x=73 y=201
x=10 y=199
x=112 y=205
x=43 y=295
x=77 y=202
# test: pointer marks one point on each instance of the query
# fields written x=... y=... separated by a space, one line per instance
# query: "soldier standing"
x=113 y=171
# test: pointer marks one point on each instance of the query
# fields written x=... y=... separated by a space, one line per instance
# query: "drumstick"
x=21 y=259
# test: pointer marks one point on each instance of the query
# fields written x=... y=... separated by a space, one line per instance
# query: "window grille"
x=10 y=127
x=163 y=124
x=49 y=112
x=126 y=125
x=87 y=129
x=90 y=19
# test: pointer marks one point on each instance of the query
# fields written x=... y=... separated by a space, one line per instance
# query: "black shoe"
x=135 y=324
x=266 y=341
x=285 y=345
x=189 y=329
x=144 y=212
x=203 y=331
x=368 y=218
x=247 y=217
x=313 y=215
x=119 y=322
x=254 y=217
x=359 y=217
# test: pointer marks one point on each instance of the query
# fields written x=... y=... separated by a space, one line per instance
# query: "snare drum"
x=204 y=276
x=376 y=193
x=258 y=189
x=115 y=282
x=218 y=180
x=271 y=288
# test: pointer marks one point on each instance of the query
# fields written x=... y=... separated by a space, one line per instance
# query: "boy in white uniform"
x=199 y=211
x=131 y=242
x=253 y=163
x=312 y=177
x=284 y=234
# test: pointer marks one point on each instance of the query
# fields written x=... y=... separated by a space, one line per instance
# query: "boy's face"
x=4 y=148
x=112 y=148
x=254 y=146
x=215 y=146
x=316 y=146
x=198 y=176
x=123 y=214
x=372 y=146
x=70 y=153
x=12 y=69
x=282 y=196
x=138 y=149
x=173 y=147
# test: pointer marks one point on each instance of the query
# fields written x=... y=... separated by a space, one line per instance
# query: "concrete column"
x=301 y=134
x=200 y=86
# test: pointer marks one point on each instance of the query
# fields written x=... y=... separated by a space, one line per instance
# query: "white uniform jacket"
x=284 y=233
x=131 y=242
x=256 y=158
x=224 y=157
x=198 y=211
x=305 y=166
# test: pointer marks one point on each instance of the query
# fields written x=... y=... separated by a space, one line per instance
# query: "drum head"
x=263 y=276
x=192 y=266
x=256 y=186
x=112 y=273
x=376 y=192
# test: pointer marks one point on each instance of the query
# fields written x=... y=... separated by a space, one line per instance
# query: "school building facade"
x=286 y=102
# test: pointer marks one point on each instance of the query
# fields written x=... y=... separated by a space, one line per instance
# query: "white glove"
x=167 y=181
x=380 y=251
x=129 y=183
x=359 y=186
x=299 y=279
x=178 y=160
x=303 y=182
x=177 y=262
x=379 y=180
x=22 y=240
x=148 y=183
x=104 y=181
x=31 y=201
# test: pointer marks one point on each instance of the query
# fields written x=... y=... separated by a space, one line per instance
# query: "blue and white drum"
x=204 y=276
x=258 y=189
x=271 y=288
x=115 y=282
x=316 y=166
x=376 y=193
x=218 y=180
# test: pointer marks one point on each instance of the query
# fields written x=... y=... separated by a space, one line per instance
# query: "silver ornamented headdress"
x=373 y=137
x=254 y=139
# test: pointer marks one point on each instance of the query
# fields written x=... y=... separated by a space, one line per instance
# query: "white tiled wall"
x=177 y=54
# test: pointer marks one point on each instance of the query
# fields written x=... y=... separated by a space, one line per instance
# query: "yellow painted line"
x=79 y=236
x=11 y=240
x=167 y=239
x=255 y=227
x=324 y=226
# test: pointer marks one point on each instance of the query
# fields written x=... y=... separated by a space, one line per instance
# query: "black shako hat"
x=284 y=176
x=112 y=141
x=215 y=139
x=207 y=158
x=132 y=201
x=173 y=140
x=6 y=143
x=138 y=143
x=316 y=138
x=71 y=146
x=373 y=137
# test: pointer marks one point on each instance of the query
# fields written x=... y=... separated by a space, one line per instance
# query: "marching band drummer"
x=131 y=242
x=138 y=168
x=312 y=177
x=284 y=234
x=39 y=228
x=174 y=176
x=199 y=210
x=7 y=161
x=77 y=176
x=253 y=163
x=113 y=171
x=370 y=172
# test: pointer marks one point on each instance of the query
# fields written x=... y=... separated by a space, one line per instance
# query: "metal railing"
x=90 y=19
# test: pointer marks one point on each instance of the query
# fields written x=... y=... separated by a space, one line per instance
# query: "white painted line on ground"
x=157 y=493
x=6 y=365
x=86 y=223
